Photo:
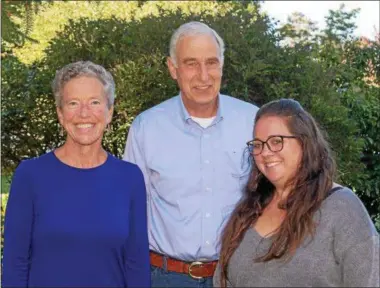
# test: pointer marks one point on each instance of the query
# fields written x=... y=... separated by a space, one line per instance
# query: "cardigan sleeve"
x=18 y=228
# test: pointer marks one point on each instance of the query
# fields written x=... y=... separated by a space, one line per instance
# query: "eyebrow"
x=255 y=139
x=267 y=138
x=77 y=98
x=213 y=59
x=186 y=60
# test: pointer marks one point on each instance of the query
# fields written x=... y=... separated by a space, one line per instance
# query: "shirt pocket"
x=238 y=164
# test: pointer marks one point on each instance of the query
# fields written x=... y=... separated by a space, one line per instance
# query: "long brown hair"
x=309 y=188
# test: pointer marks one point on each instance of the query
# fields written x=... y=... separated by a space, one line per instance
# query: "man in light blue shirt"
x=191 y=149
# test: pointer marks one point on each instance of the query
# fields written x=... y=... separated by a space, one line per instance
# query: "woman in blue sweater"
x=76 y=216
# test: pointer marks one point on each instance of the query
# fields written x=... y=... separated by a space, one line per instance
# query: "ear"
x=60 y=115
x=109 y=115
x=172 y=68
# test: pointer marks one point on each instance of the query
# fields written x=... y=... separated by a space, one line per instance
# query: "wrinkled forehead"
x=83 y=87
x=198 y=46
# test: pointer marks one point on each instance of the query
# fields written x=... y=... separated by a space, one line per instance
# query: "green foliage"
x=357 y=77
x=17 y=19
x=5 y=183
x=53 y=17
x=28 y=120
x=298 y=30
x=324 y=72
x=364 y=103
x=4 y=199
x=352 y=68
x=340 y=24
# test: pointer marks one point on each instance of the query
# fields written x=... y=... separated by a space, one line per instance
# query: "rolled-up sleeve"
x=18 y=228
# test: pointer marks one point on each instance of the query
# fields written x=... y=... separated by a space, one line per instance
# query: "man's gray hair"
x=191 y=29
x=86 y=69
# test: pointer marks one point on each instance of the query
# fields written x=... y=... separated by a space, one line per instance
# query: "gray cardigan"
x=343 y=253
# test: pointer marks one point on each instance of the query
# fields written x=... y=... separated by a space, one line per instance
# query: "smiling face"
x=199 y=71
x=84 y=113
x=278 y=167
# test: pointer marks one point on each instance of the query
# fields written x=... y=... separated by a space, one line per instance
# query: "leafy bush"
x=4 y=199
x=28 y=121
x=134 y=49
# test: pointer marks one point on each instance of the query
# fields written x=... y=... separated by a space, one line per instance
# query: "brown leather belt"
x=196 y=270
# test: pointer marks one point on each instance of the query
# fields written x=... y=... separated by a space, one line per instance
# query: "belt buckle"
x=191 y=266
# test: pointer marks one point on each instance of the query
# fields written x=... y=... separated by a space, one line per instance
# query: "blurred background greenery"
x=334 y=74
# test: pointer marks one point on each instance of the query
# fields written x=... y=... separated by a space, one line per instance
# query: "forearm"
x=361 y=264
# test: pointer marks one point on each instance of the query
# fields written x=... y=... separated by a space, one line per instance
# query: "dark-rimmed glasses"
x=275 y=143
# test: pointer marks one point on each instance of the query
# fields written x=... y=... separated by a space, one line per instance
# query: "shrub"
x=134 y=49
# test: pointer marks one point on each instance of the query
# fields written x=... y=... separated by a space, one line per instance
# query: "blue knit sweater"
x=71 y=227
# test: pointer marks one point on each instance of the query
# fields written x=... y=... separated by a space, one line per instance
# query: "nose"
x=266 y=150
x=203 y=72
x=84 y=110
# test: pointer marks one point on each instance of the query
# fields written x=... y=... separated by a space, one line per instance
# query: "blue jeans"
x=162 y=278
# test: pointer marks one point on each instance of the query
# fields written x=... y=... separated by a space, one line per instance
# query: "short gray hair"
x=190 y=29
x=79 y=69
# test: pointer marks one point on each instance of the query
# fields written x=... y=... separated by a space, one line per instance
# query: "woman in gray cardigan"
x=295 y=226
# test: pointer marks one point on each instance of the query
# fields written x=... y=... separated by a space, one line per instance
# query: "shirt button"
x=207 y=161
x=208 y=215
x=208 y=189
x=208 y=242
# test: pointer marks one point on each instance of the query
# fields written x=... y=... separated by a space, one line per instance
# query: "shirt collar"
x=219 y=113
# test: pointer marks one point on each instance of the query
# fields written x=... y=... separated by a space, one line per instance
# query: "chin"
x=205 y=100
x=86 y=141
x=274 y=180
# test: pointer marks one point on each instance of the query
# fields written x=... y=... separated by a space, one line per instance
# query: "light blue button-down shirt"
x=194 y=176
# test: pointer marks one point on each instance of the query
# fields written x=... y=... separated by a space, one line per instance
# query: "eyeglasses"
x=275 y=143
